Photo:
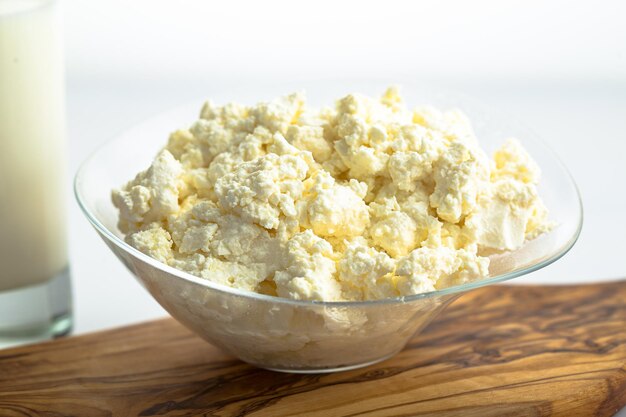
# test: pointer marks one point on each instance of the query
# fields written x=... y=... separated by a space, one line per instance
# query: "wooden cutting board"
x=497 y=351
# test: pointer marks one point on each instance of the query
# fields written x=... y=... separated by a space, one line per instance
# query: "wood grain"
x=497 y=351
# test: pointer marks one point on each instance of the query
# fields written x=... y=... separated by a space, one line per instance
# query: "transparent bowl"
x=311 y=336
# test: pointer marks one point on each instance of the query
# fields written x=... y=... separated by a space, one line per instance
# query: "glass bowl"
x=311 y=336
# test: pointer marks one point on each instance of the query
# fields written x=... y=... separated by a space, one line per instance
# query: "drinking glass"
x=35 y=296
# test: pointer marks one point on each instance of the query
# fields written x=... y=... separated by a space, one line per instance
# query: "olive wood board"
x=498 y=351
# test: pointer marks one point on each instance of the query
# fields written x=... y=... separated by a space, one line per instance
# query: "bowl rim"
x=177 y=273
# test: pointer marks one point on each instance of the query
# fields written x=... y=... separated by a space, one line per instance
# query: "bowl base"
x=328 y=370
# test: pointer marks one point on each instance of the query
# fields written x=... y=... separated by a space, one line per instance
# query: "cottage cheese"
x=365 y=200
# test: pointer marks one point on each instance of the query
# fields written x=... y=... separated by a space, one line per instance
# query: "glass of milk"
x=35 y=296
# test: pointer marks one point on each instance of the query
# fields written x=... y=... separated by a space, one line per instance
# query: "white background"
x=560 y=66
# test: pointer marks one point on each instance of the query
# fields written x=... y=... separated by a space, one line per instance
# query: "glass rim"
x=120 y=243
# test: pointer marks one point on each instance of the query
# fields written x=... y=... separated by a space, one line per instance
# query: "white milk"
x=32 y=144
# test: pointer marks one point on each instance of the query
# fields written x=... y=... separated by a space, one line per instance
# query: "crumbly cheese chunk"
x=366 y=273
x=427 y=269
x=337 y=210
x=364 y=200
x=152 y=195
x=263 y=190
x=310 y=270
x=460 y=175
